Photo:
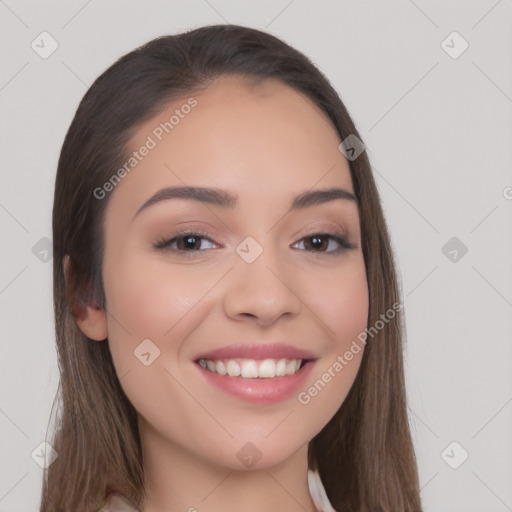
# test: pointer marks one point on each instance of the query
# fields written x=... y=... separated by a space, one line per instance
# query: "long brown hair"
x=364 y=455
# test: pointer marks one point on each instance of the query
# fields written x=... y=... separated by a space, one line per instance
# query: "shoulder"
x=117 y=502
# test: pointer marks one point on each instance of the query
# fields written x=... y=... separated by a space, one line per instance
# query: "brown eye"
x=185 y=242
x=190 y=242
x=320 y=242
x=317 y=242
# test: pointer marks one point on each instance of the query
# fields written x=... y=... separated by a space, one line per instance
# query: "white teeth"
x=219 y=366
x=281 y=368
x=267 y=368
x=251 y=369
x=233 y=368
x=290 y=367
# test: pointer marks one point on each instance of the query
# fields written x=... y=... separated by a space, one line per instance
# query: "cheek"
x=342 y=307
x=146 y=301
x=149 y=299
x=349 y=309
x=340 y=301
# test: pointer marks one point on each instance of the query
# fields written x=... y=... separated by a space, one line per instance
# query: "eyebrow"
x=224 y=199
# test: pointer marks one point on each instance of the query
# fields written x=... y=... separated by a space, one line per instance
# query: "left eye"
x=317 y=242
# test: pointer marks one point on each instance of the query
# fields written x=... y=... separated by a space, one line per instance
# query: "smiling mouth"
x=253 y=368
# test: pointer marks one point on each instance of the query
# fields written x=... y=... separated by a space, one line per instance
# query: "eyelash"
x=164 y=243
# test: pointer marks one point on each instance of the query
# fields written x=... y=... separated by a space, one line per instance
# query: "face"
x=246 y=280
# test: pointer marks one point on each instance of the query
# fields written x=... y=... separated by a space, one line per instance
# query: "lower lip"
x=259 y=391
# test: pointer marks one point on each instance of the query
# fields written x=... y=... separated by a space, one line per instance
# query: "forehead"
x=264 y=138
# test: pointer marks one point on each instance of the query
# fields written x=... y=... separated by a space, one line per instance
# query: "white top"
x=118 y=503
x=318 y=494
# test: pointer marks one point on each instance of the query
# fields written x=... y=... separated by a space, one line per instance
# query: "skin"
x=264 y=144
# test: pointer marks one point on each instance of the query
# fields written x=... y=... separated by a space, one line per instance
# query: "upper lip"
x=258 y=351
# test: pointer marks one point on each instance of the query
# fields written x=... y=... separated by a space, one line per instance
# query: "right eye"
x=187 y=242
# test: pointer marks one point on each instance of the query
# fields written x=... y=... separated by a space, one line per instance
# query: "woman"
x=227 y=310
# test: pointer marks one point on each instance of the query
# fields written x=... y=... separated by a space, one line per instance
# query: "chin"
x=254 y=455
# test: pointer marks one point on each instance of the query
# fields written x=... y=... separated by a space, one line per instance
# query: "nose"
x=263 y=291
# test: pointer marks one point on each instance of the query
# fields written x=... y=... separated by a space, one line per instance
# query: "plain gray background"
x=437 y=126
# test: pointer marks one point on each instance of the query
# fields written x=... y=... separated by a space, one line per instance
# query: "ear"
x=90 y=317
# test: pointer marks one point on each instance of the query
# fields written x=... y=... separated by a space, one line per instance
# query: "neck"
x=177 y=480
